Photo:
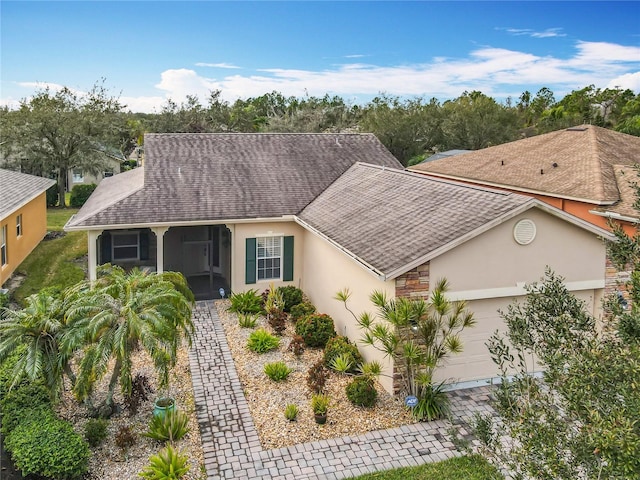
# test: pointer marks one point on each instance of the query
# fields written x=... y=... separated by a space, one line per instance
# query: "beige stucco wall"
x=241 y=231
x=494 y=265
x=326 y=271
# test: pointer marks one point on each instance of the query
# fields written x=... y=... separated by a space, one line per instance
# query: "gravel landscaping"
x=267 y=399
x=108 y=461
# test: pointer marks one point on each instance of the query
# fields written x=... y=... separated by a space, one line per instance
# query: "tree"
x=53 y=133
x=38 y=333
x=419 y=336
x=582 y=418
x=123 y=312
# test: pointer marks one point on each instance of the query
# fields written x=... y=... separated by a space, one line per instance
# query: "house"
x=83 y=176
x=23 y=217
x=329 y=211
x=583 y=170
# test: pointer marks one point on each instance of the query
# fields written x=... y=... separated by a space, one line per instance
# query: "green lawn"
x=54 y=262
x=472 y=467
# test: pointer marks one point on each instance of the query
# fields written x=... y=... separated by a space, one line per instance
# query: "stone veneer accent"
x=414 y=283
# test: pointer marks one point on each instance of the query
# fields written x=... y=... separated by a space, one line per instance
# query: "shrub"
x=95 y=431
x=338 y=346
x=316 y=329
x=80 y=194
x=433 y=402
x=277 y=371
x=296 y=345
x=361 y=391
x=342 y=363
x=140 y=391
x=262 y=341
x=301 y=310
x=317 y=377
x=278 y=321
x=30 y=400
x=291 y=296
x=246 y=302
x=247 y=320
x=274 y=307
x=170 y=427
x=125 y=437
x=48 y=447
x=291 y=412
x=167 y=464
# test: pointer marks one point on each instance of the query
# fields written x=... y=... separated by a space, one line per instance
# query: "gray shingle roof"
x=390 y=218
x=17 y=189
x=196 y=177
x=576 y=163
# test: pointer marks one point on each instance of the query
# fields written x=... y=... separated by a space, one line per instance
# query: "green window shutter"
x=250 y=262
x=287 y=254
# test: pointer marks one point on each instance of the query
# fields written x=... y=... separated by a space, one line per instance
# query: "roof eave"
x=514 y=188
x=29 y=199
x=615 y=216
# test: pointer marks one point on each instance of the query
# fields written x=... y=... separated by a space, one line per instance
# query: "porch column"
x=92 y=239
x=159 y=232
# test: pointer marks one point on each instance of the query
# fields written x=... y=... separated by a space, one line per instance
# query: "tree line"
x=57 y=131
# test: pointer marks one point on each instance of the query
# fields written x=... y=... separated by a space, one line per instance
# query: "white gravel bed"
x=267 y=399
x=108 y=461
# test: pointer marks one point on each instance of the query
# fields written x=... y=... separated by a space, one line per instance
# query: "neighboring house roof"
x=214 y=177
x=17 y=189
x=626 y=179
x=447 y=154
x=393 y=220
x=576 y=163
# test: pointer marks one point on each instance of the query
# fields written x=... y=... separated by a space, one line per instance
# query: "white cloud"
x=548 y=33
x=629 y=81
x=216 y=65
x=355 y=56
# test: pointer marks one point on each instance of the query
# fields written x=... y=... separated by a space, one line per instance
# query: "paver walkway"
x=232 y=447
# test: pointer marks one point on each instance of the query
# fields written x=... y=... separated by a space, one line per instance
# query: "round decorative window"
x=524 y=232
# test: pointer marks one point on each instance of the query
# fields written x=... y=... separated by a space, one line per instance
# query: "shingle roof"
x=626 y=177
x=196 y=177
x=390 y=218
x=18 y=189
x=584 y=157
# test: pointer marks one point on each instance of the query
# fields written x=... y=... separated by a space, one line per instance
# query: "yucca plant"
x=246 y=302
x=342 y=363
x=247 y=320
x=170 y=427
x=167 y=464
x=262 y=341
x=277 y=371
x=291 y=412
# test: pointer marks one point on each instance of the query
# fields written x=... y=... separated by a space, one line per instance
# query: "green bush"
x=433 y=402
x=170 y=427
x=52 y=195
x=80 y=194
x=291 y=412
x=261 y=341
x=291 y=295
x=338 y=346
x=301 y=310
x=48 y=447
x=247 y=320
x=361 y=391
x=27 y=401
x=277 y=371
x=168 y=464
x=95 y=431
x=316 y=329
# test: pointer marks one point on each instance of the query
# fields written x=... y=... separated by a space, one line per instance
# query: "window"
x=125 y=246
x=19 y=225
x=3 y=246
x=269 y=257
x=77 y=176
x=107 y=173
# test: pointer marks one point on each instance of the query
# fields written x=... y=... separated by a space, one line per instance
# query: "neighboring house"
x=330 y=211
x=582 y=170
x=447 y=154
x=23 y=217
x=82 y=176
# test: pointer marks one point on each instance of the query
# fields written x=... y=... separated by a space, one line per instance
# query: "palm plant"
x=41 y=328
x=123 y=312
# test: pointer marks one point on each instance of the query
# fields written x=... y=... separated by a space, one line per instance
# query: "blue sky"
x=153 y=50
